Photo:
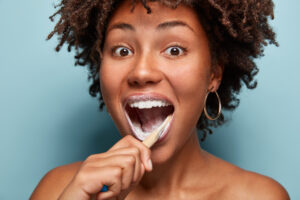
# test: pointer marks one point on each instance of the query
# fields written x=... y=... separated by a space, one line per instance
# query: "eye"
x=121 y=51
x=175 y=51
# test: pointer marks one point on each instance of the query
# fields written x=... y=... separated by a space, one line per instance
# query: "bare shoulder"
x=251 y=185
x=238 y=183
x=263 y=187
x=54 y=182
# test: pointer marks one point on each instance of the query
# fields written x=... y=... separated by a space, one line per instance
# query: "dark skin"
x=176 y=168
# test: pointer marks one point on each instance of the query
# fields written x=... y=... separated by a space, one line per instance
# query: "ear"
x=215 y=78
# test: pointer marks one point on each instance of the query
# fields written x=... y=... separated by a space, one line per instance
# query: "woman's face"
x=151 y=61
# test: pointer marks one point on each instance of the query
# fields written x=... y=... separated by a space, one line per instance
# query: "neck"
x=177 y=172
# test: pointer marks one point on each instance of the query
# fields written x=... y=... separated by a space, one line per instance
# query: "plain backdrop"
x=47 y=117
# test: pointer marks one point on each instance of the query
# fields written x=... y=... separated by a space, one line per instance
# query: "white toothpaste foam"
x=141 y=135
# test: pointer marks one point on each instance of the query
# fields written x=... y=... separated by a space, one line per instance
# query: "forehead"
x=159 y=13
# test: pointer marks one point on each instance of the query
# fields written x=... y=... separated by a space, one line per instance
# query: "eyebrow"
x=162 y=26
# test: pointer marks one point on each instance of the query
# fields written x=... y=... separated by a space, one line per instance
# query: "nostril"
x=143 y=78
x=142 y=83
x=144 y=71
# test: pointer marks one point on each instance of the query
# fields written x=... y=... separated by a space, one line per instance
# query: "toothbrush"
x=150 y=140
x=153 y=137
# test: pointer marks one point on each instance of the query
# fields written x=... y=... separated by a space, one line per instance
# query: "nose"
x=144 y=72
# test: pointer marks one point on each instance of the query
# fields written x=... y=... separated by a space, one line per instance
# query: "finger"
x=106 y=195
x=140 y=176
x=123 y=193
x=92 y=179
x=130 y=163
x=114 y=183
x=138 y=164
x=129 y=141
x=97 y=159
x=124 y=150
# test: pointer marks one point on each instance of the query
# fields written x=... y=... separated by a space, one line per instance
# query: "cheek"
x=110 y=81
x=190 y=84
x=191 y=81
x=191 y=77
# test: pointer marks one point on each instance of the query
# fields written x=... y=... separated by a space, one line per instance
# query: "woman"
x=154 y=59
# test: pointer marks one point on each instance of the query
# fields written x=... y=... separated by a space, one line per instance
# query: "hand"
x=120 y=168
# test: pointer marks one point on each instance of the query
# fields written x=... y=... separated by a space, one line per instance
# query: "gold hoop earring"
x=219 y=110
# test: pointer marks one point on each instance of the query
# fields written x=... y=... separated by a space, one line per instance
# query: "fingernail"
x=150 y=164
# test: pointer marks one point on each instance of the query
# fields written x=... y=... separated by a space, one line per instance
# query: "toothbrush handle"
x=104 y=188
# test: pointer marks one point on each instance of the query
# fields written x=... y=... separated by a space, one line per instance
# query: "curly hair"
x=237 y=30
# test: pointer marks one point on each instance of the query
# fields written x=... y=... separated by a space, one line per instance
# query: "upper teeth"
x=148 y=104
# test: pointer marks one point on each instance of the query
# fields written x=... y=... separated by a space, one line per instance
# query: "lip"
x=147 y=96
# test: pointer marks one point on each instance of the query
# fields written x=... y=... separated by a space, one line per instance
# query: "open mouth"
x=144 y=116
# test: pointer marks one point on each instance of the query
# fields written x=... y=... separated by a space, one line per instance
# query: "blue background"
x=47 y=117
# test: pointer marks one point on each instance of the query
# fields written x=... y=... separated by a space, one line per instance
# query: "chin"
x=161 y=155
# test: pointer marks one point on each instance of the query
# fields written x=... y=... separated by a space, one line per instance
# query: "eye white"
x=168 y=50
x=118 y=51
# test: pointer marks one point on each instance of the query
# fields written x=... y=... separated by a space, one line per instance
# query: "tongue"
x=152 y=118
